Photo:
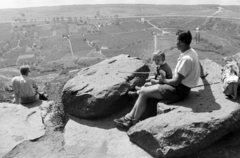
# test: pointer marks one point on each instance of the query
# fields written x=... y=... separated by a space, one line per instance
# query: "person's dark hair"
x=24 y=70
x=184 y=36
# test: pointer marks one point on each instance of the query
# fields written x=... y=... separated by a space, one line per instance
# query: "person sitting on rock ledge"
x=187 y=73
x=24 y=88
x=162 y=69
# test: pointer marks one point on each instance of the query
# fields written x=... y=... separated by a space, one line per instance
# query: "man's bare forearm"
x=172 y=82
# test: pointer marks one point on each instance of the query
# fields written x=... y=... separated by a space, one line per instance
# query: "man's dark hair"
x=184 y=36
x=24 y=70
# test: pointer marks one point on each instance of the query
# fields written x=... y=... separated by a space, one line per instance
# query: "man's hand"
x=153 y=81
x=161 y=79
x=149 y=79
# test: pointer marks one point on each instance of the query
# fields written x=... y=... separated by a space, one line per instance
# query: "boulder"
x=190 y=125
x=17 y=124
x=101 y=89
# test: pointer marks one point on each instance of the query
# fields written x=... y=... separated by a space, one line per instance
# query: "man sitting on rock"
x=187 y=73
x=24 y=88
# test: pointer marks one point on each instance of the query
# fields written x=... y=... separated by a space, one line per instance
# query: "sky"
x=36 y=3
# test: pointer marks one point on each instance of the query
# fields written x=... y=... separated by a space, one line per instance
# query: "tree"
x=62 y=18
x=22 y=14
x=53 y=19
x=57 y=19
x=75 y=19
x=98 y=13
x=69 y=19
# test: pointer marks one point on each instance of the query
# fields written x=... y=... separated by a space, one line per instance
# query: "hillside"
x=65 y=41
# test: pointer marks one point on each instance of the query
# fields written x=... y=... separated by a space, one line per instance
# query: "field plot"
x=178 y=22
x=26 y=43
x=111 y=29
x=192 y=24
x=27 y=60
x=9 y=72
x=135 y=36
x=13 y=43
x=228 y=13
x=55 y=56
x=3 y=48
x=8 y=62
x=54 y=48
x=40 y=31
x=219 y=40
x=155 y=30
x=14 y=53
x=79 y=46
x=129 y=19
x=53 y=41
x=134 y=25
x=60 y=29
x=107 y=40
x=165 y=42
x=5 y=29
x=191 y=10
x=142 y=50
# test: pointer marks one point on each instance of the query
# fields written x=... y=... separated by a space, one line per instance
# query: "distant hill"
x=111 y=10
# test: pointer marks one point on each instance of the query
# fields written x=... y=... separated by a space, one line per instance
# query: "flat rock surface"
x=17 y=124
x=195 y=123
x=99 y=139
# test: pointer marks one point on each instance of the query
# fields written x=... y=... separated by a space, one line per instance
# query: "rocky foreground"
x=205 y=125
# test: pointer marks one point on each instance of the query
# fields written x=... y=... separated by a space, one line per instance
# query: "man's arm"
x=15 y=90
x=202 y=73
x=175 y=81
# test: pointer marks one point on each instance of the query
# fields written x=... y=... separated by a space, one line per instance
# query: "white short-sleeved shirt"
x=188 y=66
x=24 y=86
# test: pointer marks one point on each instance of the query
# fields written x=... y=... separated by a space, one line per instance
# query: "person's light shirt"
x=24 y=86
x=188 y=66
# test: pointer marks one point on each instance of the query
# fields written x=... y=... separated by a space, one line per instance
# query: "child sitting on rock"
x=162 y=70
x=230 y=79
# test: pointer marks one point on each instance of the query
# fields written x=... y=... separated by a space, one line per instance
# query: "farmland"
x=65 y=40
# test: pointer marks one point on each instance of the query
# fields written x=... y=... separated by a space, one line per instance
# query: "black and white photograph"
x=119 y=79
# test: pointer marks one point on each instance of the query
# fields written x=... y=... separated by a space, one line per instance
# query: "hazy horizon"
x=40 y=3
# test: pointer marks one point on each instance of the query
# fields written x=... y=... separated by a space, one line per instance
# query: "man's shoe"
x=133 y=94
x=121 y=120
x=127 y=124
x=130 y=123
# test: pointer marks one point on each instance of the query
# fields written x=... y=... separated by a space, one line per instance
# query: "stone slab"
x=17 y=124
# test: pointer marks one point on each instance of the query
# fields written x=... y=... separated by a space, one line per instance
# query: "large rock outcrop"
x=17 y=124
x=101 y=89
x=99 y=139
x=203 y=118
